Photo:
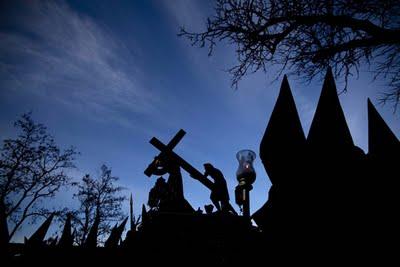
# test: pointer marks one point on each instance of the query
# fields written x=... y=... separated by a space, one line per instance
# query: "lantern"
x=245 y=173
x=246 y=176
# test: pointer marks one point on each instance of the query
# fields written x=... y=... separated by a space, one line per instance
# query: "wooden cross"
x=166 y=154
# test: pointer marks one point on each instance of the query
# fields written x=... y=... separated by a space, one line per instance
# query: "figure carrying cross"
x=169 y=162
x=219 y=192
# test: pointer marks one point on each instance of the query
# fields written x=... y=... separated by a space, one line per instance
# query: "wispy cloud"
x=192 y=16
x=186 y=13
x=59 y=53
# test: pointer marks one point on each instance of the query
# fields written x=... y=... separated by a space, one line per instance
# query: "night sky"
x=106 y=76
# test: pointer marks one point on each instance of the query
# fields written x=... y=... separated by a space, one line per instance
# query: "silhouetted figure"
x=158 y=194
x=219 y=193
x=169 y=162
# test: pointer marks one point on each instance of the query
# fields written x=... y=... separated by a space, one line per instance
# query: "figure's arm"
x=202 y=179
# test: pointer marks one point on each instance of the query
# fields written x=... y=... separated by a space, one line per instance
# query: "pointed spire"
x=381 y=139
x=131 y=213
x=67 y=239
x=121 y=227
x=329 y=127
x=112 y=239
x=39 y=235
x=91 y=240
x=284 y=133
x=116 y=234
x=144 y=214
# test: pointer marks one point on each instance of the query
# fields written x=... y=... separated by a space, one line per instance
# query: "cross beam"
x=149 y=171
x=166 y=152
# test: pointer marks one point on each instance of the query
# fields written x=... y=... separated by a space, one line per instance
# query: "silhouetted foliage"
x=98 y=195
x=307 y=36
x=32 y=169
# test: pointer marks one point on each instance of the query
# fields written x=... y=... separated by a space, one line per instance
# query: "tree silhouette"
x=98 y=196
x=307 y=36
x=32 y=169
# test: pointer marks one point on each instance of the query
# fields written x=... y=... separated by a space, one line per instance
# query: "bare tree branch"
x=308 y=36
x=101 y=196
x=32 y=168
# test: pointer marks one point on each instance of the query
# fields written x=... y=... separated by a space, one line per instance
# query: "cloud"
x=192 y=16
x=186 y=13
x=59 y=53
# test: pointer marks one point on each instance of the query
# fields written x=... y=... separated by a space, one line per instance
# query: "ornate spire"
x=144 y=214
x=329 y=127
x=91 y=240
x=112 y=239
x=381 y=140
x=284 y=136
x=121 y=227
x=39 y=235
x=67 y=239
x=116 y=234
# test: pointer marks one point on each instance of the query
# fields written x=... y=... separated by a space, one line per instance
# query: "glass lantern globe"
x=245 y=174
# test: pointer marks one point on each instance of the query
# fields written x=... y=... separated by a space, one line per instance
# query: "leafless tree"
x=304 y=37
x=32 y=169
x=98 y=196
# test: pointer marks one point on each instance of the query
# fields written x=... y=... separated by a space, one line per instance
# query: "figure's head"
x=208 y=167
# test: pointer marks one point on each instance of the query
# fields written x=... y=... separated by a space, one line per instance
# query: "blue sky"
x=106 y=76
